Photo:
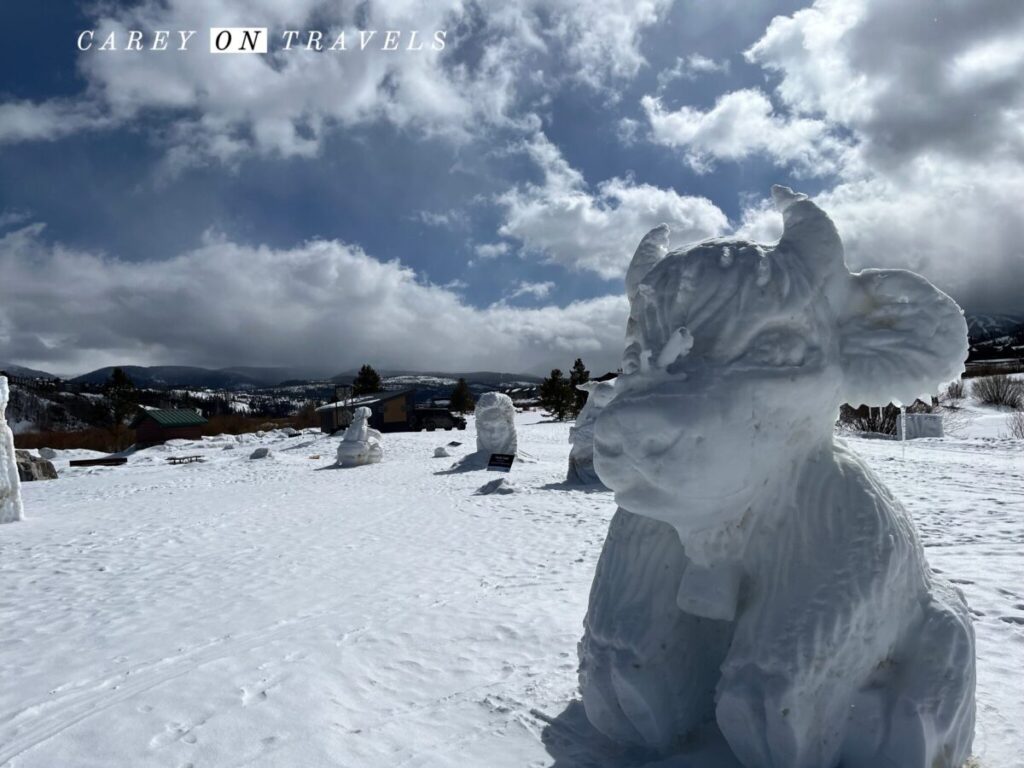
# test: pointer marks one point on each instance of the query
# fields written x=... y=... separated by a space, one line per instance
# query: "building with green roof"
x=156 y=425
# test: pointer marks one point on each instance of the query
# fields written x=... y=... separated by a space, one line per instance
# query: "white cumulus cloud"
x=597 y=229
x=321 y=300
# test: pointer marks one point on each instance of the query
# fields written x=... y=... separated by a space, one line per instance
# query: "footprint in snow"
x=254 y=696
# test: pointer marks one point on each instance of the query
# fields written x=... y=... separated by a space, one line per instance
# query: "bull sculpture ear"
x=652 y=249
x=808 y=232
x=900 y=338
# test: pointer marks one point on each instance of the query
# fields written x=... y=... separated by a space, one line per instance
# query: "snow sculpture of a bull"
x=758 y=577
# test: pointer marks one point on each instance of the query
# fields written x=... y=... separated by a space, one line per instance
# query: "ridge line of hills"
x=242 y=377
x=991 y=336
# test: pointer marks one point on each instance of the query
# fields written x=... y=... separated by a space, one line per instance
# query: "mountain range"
x=984 y=330
x=249 y=377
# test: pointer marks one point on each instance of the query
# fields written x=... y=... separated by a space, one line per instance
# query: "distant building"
x=389 y=411
x=155 y=425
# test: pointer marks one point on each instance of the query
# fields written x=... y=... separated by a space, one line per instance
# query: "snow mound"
x=260 y=453
x=758 y=575
x=581 y=435
x=11 y=509
x=361 y=443
x=500 y=485
x=441 y=452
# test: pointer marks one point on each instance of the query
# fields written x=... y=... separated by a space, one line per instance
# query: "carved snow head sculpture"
x=10 y=482
x=738 y=356
x=495 y=424
x=757 y=576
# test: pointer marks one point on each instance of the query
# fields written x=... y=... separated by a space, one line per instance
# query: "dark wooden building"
x=389 y=411
x=154 y=426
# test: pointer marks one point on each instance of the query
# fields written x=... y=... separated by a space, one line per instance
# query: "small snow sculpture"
x=581 y=435
x=361 y=443
x=11 y=509
x=495 y=424
x=757 y=574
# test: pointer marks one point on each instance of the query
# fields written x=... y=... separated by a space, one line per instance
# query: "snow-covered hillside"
x=279 y=612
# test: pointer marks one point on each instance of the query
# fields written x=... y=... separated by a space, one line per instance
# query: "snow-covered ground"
x=279 y=612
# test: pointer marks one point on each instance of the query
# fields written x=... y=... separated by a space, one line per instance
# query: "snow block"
x=758 y=577
x=361 y=443
x=11 y=509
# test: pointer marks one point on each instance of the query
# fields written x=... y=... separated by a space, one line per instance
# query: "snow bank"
x=758 y=574
x=581 y=435
x=11 y=509
x=361 y=444
x=501 y=486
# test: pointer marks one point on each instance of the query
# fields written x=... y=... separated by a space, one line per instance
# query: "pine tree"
x=461 y=398
x=121 y=399
x=367 y=382
x=555 y=395
x=578 y=375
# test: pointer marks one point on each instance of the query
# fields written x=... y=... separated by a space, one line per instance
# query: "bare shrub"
x=105 y=440
x=872 y=420
x=1015 y=424
x=998 y=390
x=956 y=390
x=87 y=439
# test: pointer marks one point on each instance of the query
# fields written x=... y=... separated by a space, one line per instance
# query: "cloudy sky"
x=475 y=208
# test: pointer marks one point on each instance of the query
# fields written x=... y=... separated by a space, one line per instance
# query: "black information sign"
x=500 y=462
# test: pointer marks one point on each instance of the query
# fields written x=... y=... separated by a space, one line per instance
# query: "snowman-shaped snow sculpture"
x=361 y=443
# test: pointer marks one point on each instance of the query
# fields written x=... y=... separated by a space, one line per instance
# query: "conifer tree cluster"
x=461 y=398
x=366 y=382
x=122 y=401
x=558 y=394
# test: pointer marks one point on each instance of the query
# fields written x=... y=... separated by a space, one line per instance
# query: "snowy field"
x=279 y=612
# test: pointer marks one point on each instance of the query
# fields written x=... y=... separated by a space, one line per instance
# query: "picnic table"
x=183 y=459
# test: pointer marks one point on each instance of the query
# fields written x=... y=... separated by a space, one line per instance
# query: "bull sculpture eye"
x=775 y=348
